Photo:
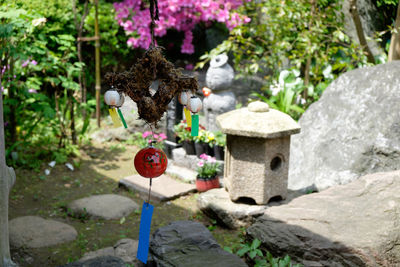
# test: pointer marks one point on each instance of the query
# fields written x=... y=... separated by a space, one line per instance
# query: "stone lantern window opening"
x=276 y=162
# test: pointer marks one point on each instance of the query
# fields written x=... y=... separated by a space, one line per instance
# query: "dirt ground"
x=98 y=170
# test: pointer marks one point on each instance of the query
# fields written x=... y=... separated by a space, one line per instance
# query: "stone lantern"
x=257 y=152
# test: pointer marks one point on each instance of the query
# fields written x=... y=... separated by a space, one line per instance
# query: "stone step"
x=184 y=174
x=36 y=232
x=163 y=188
x=108 y=206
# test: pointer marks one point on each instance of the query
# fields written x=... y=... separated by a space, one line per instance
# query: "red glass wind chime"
x=151 y=162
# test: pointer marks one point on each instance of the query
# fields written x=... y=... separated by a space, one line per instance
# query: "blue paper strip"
x=144 y=232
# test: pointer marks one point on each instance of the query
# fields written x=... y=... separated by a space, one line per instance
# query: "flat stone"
x=271 y=124
x=36 y=232
x=258 y=106
x=163 y=188
x=357 y=224
x=109 y=206
x=352 y=130
x=184 y=174
x=125 y=249
x=103 y=261
x=188 y=243
x=216 y=203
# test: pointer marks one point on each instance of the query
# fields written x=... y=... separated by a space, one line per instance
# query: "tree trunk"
x=11 y=95
x=97 y=61
x=309 y=57
x=7 y=180
x=360 y=31
x=73 y=132
x=394 y=49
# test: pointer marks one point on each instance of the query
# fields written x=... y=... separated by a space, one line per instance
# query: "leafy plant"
x=254 y=255
x=183 y=132
x=147 y=138
x=304 y=35
x=220 y=138
x=285 y=94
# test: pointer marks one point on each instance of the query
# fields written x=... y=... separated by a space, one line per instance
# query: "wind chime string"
x=148 y=199
x=154 y=16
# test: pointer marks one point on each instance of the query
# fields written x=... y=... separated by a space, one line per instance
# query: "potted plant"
x=219 y=145
x=145 y=139
x=207 y=173
x=209 y=143
x=199 y=143
x=183 y=132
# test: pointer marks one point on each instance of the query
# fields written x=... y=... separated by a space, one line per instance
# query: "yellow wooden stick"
x=188 y=117
x=114 y=117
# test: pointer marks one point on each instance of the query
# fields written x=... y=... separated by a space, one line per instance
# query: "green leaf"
x=242 y=251
x=252 y=254
x=228 y=249
x=255 y=244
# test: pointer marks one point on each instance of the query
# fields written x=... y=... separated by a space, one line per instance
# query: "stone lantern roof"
x=257 y=120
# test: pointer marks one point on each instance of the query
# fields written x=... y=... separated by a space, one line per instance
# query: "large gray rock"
x=124 y=249
x=217 y=204
x=109 y=206
x=354 y=129
x=357 y=224
x=187 y=243
x=36 y=232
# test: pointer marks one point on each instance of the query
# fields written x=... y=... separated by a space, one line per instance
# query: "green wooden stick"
x=122 y=118
x=195 y=125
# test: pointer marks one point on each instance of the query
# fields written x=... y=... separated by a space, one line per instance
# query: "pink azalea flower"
x=211 y=160
x=180 y=15
x=146 y=134
x=162 y=136
x=200 y=163
x=204 y=156
x=34 y=62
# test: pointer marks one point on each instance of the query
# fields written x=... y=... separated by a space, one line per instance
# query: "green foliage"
x=254 y=255
x=220 y=138
x=40 y=78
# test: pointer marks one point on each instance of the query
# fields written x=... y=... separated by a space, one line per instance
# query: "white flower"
x=275 y=89
x=39 y=22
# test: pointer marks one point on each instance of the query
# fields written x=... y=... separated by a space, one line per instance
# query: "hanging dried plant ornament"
x=137 y=81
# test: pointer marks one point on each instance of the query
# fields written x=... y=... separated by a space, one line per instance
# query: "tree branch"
x=394 y=49
x=360 y=31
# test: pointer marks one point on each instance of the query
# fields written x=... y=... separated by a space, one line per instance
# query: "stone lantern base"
x=256 y=168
